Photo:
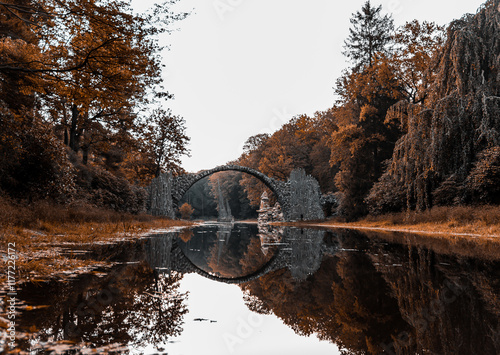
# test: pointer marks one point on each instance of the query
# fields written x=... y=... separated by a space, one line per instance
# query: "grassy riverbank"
x=483 y=221
x=465 y=231
x=40 y=231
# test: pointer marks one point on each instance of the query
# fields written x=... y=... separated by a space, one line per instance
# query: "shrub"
x=386 y=196
x=484 y=179
x=106 y=190
x=115 y=192
x=186 y=211
x=450 y=192
x=34 y=163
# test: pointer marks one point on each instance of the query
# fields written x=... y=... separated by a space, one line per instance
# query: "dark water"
x=240 y=290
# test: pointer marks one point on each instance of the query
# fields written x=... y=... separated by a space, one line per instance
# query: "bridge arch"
x=183 y=183
x=300 y=196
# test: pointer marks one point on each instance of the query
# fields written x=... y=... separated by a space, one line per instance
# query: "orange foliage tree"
x=300 y=143
x=452 y=134
x=186 y=211
x=364 y=141
x=378 y=79
x=77 y=72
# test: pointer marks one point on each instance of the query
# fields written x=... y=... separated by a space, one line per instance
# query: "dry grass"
x=474 y=221
x=459 y=216
x=21 y=214
x=37 y=228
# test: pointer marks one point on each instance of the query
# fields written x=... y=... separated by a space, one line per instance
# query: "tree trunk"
x=73 y=134
x=66 y=137
x=85 y=155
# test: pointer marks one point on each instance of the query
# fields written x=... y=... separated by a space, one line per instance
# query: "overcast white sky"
x=243 y=67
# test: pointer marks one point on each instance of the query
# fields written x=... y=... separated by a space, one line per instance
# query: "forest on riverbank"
x=80 y=85
x=415 y=123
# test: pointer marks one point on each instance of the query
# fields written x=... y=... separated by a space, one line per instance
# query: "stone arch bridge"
x=299 y=197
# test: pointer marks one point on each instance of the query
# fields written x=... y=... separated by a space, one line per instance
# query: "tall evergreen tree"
x=369 y=34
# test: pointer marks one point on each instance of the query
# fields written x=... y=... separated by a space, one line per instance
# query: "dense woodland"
x=78 y=79
x=415 y=123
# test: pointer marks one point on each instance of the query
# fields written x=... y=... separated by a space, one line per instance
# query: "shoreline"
x=417 y=229
x=38 y=247
x=38 y=250
x=464 y=244
x=470 y=222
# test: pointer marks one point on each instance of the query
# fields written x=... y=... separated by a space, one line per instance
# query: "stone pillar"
x=304 y=197
x=160 y=196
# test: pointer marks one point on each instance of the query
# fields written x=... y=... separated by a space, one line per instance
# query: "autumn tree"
x=352 y=141
x=98 y=63
x=447 y=139
x=283 y=154
x=365 y=93
x=325 y=123
x=416 y=44
x=19 y=43
x=74 y=72
x=32 y=164
x=116 y=56
x=252 y=154
x=186 y=211
x=165 y=141
x=96 y=60
x=300 y=143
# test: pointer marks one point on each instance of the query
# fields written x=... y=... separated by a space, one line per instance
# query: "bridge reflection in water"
x=366 y=295
x=241 y=253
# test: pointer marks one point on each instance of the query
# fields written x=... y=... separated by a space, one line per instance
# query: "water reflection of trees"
x=332 y=302
x=367 y=296
x=377 y=298
x=133 y=305
x=452 y=303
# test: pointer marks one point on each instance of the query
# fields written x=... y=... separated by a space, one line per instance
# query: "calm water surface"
x=237 y=289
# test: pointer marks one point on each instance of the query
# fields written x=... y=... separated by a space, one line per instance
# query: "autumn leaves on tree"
x=415 y=122
x=451 y=133
x=82 y=74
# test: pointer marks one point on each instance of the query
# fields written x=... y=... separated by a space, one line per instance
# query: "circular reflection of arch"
x=271 y=266
x=301 y=251
x=226 y=253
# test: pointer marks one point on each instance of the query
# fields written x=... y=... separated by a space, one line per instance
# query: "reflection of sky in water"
x=234 y=328
x=224 y=303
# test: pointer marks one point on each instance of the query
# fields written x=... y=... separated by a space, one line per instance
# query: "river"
x=240 y=289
